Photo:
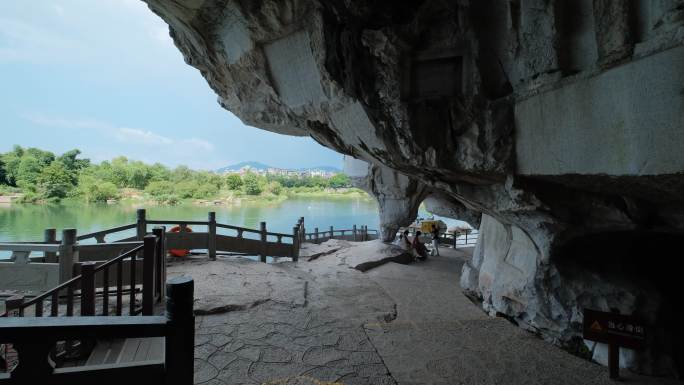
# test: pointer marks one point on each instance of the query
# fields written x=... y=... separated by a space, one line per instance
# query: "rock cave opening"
x=630 y=272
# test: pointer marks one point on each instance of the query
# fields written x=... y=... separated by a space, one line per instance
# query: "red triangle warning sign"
x=596 y=326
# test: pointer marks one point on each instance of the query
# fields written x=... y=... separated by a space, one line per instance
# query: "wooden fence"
x=34 y=338
x=354 y=234
x=58 y=262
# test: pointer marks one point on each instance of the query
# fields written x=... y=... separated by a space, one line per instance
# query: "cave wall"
x=556 y=119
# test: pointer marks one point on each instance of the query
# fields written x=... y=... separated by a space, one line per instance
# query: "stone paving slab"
x=232 y=284
x=324 y=322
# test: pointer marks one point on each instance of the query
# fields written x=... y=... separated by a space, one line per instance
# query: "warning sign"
x=612 y=328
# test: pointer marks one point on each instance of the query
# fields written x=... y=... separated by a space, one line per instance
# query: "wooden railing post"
x=68 y=255
x=295 y=243
x=264 y=244
x=13 y=305
x=88 y=288
x=466 y=237
x=160 y=259
x=50 y=236
x=303 y=230
x=332 y=234
x=211 y=238
x=148 y=274
x=141 y=225
x=180 y=340
x=354 y=232
x=316 y=235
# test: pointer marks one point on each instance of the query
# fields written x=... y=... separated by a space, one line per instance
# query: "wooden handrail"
x=30 y=247
x=106 y=231
x=34 y=338
x=42 y=329
x=172 y=222
x=77 y=278
x=123 y=256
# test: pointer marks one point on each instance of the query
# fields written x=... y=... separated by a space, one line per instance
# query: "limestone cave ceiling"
x=556 y=119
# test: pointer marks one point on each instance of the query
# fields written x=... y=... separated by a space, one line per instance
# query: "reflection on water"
x=27 y=222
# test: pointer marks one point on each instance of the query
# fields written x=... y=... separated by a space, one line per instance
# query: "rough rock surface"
x=560 y=120
x=240 y=284
x=394 y=324
x=361 y=256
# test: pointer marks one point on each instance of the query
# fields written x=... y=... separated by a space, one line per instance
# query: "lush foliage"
x=42 y=176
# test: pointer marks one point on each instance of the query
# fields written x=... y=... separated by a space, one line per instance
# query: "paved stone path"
x=394 y=324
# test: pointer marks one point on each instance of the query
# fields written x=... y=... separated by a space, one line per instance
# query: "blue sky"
x=103 y=76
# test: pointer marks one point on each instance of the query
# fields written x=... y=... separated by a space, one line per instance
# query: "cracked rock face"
x=559 y=120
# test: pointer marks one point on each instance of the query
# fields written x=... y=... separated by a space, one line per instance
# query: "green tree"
x=233 y=181
x=274 y=187
x=181 y=173
x=95 y=190
x=186 y=189
x=138 y=175
x=43 y=157
x=3 y=180
x=159 y=172
x=160 y=188
x=251 y=185
x=339 y=180
x=71 y=163
x=54 y=181
x=12 y=160
x=205 y=191
x=119 y=171
x=28 y=171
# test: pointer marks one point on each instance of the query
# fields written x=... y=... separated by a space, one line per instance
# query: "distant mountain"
x=237 y=166
x=260 y=166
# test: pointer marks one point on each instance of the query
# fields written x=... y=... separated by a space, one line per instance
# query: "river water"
x=27 y=222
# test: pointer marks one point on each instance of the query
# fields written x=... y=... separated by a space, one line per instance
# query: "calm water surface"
x=27 y=222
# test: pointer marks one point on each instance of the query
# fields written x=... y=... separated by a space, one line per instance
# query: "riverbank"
x=222 y=198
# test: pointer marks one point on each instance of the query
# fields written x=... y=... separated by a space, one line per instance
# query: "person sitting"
x=419 y=247
x=404 y=240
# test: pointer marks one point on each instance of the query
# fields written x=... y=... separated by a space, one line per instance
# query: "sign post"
x=616 y=330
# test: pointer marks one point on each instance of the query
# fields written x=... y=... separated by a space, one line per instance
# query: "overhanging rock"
x=559 y=120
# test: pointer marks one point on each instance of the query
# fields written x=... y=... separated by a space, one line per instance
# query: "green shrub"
x=185 y=189
x=274 y=188
x=160 y=188
x=233 y=181
x=94 y=190
x=251 y=185
x=206 y=191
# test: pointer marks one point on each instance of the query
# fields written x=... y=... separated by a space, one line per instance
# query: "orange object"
x=179 y=252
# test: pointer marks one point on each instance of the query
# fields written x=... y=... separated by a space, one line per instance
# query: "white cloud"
x=122 y=134
x=134 y=135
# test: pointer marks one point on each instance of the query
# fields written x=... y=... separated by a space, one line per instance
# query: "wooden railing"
x=354 y=234
x=60 y=261
x=460 y=239
x=35 y=338
x=124 y=273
